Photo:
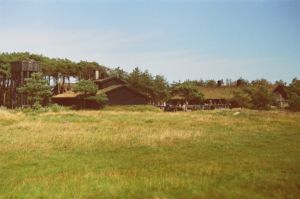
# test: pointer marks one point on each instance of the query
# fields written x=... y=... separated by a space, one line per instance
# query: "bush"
x=262 y=98
x=294 y=95
x=37 y=90
x=256 y=98
x=294 y=102
x=240 y=99
x=101 y=99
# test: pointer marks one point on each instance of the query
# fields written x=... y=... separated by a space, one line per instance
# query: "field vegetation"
x=141 y=152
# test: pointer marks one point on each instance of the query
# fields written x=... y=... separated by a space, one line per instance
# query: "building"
x=20 y=70
x=117 y=91
x=220 y=96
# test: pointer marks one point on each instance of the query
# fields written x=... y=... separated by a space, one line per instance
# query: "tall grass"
x=132 y=153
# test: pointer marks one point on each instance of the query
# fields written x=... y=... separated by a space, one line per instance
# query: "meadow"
x=141 y=152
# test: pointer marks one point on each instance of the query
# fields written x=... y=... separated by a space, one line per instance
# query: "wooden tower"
x=20 y=70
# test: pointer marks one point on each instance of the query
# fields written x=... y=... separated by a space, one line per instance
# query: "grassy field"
x=136 y=153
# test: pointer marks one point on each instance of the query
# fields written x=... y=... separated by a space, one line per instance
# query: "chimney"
x=96 y=74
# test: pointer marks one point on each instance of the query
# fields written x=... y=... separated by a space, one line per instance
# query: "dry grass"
x=129 y=153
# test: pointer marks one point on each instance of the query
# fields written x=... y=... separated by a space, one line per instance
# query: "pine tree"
x=37 y=90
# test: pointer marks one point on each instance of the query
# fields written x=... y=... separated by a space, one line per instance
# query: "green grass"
x=133 y=153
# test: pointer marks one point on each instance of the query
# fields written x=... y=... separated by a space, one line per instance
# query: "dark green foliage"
x=294 y=102
x=160 y=88
x=86 y=87
x=88 y=91
x=188 y=91
x=261 y=83
x=154 y=87
x=100 y=98
x=262 y=98
x=56 y=68
x=210 y=83
x=37 y=90
x=294 y=95
x=119 y=73
x=255 y=97
x=4 y=77
x=241 y=82
x=240 y=99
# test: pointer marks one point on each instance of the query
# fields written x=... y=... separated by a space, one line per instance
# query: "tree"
x=262 y=98
x=100 y=98
x=188 y=91
x=256 y=97
x=242 y=82
x=260 y=83
x=119 y=73
x=211 y=83
x=294 y=102
x=37 y=90
x=240 y=99
x=160 y=89
x=4 y=81
x=294 y=95
x=88 y=91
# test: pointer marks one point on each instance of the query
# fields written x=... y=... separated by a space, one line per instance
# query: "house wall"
x=125 y=96
x=66 y=101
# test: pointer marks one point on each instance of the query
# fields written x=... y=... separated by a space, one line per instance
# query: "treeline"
x=56 y=69
x=258 y=94
x=255 y=94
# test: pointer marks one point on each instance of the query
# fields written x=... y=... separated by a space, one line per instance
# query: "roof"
x=110 y=88
x=227 y=92
x=108 y=79
x=68 y=94
x=177 y=97
x=115 y=87
x=221 y=92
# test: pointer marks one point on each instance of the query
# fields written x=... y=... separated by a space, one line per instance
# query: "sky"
x=180 y=39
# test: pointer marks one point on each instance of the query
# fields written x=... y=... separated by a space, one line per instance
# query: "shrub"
x=294 y=102
x=294 y=95
x=240 y=99
x=37 y=90
x=262 y=98
x=100 y=98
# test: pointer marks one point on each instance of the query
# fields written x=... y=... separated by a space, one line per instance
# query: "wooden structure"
x=20 y=70
x=117 y=91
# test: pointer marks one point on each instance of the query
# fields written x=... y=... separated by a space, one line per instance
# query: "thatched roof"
x=223 y=92
x=227 y=92
x=68 y=94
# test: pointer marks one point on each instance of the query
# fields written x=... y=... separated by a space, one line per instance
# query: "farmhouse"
x=117 y=91
x=220 y=97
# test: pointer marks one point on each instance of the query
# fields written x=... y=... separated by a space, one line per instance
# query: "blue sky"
x=179 y=39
